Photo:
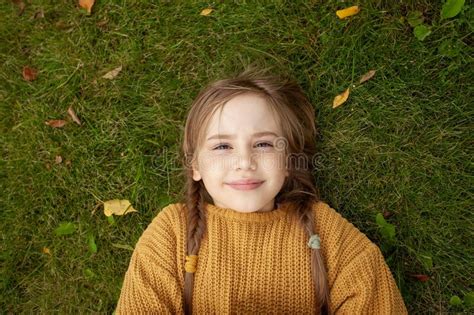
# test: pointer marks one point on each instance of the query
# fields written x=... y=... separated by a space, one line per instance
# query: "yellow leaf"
x=341 y=98
x=207 y=11
x=46 y=250
x=367 y=76
x=344 y=13
x=112 y=74
x=117 y=207
x=87 y=4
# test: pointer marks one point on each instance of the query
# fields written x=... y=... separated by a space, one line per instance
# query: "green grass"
x=401 y=143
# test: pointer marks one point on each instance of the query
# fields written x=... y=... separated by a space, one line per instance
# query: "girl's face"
x=238 y=160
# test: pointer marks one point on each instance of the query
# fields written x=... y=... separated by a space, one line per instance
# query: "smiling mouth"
x=246 y=186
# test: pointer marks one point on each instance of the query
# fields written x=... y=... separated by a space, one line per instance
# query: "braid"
x=302 y=193
x=196 y=224
x=318 y=270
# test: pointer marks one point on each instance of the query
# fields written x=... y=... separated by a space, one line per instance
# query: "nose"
x=245 y=161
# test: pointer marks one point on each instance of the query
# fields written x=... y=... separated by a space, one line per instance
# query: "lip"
x=246 y=184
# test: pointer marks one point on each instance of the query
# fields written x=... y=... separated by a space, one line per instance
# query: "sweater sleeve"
x=366 y=286
x=151 y=284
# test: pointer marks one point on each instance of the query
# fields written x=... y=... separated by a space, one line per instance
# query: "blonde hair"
x=296 y=114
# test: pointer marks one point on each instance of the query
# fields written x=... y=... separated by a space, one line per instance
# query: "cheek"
x=213 y=164
x=273 y=162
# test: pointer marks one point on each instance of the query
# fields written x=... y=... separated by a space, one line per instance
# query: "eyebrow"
x=255 y=135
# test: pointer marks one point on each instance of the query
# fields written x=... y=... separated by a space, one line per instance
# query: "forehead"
x=244 y=114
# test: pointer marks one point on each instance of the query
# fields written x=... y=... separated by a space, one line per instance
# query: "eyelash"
x=225 y=144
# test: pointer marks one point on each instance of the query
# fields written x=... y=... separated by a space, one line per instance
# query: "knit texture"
x=257 y=262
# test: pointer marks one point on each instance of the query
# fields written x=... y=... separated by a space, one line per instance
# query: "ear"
x=196 y=175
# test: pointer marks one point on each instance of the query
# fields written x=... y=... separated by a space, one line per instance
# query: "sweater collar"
x=267 y=216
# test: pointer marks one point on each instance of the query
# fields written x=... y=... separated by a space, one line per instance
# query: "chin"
x=247 y=207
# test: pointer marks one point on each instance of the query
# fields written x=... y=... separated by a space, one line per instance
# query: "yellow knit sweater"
x=257 y=262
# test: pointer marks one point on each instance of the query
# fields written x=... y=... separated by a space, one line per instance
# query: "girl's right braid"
x=196 y=224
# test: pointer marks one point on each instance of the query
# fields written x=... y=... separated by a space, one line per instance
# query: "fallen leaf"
x=341 y=98
x=39 y=14
x=118 y=207
x=65 y=228
x=421 y=278
x=46 y=250
x=344 y=13
x=56 y=123
x=68 y=162
x=48 y=166
x=112 y=74
x=21 y=6
x=451 y=8
x=387 y=214
x=58 y=159
x=89 y=273
x=415 y=18
x=367 y=76
x=206 y=12
x=421 y=31
x=91 y=243
x=87 y=4
x=73 y=115
x=29 y=74
x=455 y=300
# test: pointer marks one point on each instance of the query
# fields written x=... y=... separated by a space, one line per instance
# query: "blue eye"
x=221 y=146
x=225 y=146
x=266 y=143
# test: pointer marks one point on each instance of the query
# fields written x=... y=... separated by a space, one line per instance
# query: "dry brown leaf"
x=117 y=207
x=68 y=162
x=29 y=74
x=39 y=14
x=46 y=250
x=206 y=12
x=367 y=76
x=112 y=74
x=341 y=98
x=57 y=123
x=421 y=278
x=58 y=159
x=345 y=13
x=87 y=4
x=21 y=6
x=73 y=115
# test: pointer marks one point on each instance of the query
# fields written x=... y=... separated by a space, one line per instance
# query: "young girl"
x=252 y=235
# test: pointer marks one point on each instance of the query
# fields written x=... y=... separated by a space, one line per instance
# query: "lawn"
x=401 y=145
